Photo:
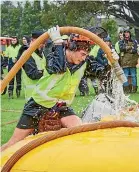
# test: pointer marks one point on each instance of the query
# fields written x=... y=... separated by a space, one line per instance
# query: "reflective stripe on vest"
x=30 y=84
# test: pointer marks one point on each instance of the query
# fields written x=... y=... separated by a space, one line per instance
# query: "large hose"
x=61 y=133
x=64 y=30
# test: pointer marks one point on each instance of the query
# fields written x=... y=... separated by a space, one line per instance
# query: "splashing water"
x=113 y=104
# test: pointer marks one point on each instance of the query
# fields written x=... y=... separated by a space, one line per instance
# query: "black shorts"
x=33 y=112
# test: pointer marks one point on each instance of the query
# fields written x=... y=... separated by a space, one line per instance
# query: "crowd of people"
x=51 y=77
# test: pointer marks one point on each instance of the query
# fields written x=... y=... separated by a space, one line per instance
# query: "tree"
x=9 y=19
x=111 y=26
x=125 y=10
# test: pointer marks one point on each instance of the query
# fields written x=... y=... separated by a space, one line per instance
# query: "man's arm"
x=56 y=62
x=31 y=69
x=122 y=46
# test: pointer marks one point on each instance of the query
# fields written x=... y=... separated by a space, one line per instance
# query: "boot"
x=126 y=89
x=18 y=93
x=10 y=93
x=130 y=88
x=96 y=90
x=134 y=89
x=82 y=94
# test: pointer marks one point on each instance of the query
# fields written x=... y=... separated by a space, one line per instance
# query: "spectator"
x=128 y=61
x=34 y=68
x=11 y=53
x=83 y=86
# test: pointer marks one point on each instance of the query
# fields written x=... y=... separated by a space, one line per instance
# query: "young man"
x=35 y=67
x=54 y=93
x=128 y=61
x=11 y=53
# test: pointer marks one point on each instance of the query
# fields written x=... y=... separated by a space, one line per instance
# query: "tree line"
x=25 y=17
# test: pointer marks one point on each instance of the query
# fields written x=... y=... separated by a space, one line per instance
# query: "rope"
x=10 y=110
x=10 y=122
x=61 y=133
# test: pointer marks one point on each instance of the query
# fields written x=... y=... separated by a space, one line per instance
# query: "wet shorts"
x=33 y=112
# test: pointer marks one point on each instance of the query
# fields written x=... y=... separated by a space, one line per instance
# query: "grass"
x=16 y=106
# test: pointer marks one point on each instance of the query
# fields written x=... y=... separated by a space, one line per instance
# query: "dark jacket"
x=101 y=59
x=30 y=66
x=129 y=56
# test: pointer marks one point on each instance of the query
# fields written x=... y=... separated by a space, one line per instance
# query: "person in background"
x=34 y=68
x=55 y=91
x=89 y=73
x=11 y=53
x=120 y=37
x=128 y=61
x=102 y=59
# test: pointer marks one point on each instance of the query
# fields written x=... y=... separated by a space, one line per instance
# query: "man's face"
x=14 y=41
x=127 y=34
x=121 y=36
x=24 y=41
x=79 y=56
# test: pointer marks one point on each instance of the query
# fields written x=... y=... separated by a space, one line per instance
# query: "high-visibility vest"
x=12 y=52
x=54 y=88
x=30 y=84
x=117 y=48
x=94 y=51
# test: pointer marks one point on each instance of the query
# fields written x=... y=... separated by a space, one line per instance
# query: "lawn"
x=11 y=110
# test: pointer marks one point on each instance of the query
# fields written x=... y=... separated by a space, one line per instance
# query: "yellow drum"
x=108 y=148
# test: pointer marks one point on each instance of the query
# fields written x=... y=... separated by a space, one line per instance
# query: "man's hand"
x=54 y=34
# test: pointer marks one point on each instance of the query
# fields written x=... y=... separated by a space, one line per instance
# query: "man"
x=89 y=72
x=34 y=68
x=54 y=93
x=11 y=53
x=128 y=61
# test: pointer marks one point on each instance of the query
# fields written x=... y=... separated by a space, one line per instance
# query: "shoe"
x=82 y=94
x=126 y=89
x=130 y=88
x=134 y=89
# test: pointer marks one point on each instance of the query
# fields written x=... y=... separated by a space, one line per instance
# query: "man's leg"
x=134 y=79
x=126 y=84
x=18 y=83
x=19 y=134
x=11 y=83
x=71 y=121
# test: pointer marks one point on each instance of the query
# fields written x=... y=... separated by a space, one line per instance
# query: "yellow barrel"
x=102 y=150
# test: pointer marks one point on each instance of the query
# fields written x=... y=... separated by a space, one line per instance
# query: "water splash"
x=112 y=104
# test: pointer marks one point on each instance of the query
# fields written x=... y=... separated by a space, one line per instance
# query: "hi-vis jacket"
x=94 y=51
x=12 y=52
x=61 y=83
x=32 y=71
x=31 y=76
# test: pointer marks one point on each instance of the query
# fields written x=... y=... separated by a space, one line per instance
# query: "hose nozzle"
x=119 y=72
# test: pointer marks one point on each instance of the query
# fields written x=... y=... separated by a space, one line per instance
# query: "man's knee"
x=71 y=121
x=18 y=135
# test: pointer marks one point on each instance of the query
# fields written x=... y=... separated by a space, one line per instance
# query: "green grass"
x=79 y=104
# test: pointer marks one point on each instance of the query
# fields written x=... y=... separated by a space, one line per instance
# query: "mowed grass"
x=11 y=110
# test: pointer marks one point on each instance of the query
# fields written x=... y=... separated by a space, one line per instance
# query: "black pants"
x=17 y=76
x=83 y=86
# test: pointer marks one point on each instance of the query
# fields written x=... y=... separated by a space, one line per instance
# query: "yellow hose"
x=44 y=37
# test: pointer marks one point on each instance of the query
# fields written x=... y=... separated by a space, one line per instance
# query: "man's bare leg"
x=71 y=121
x=19 y=134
